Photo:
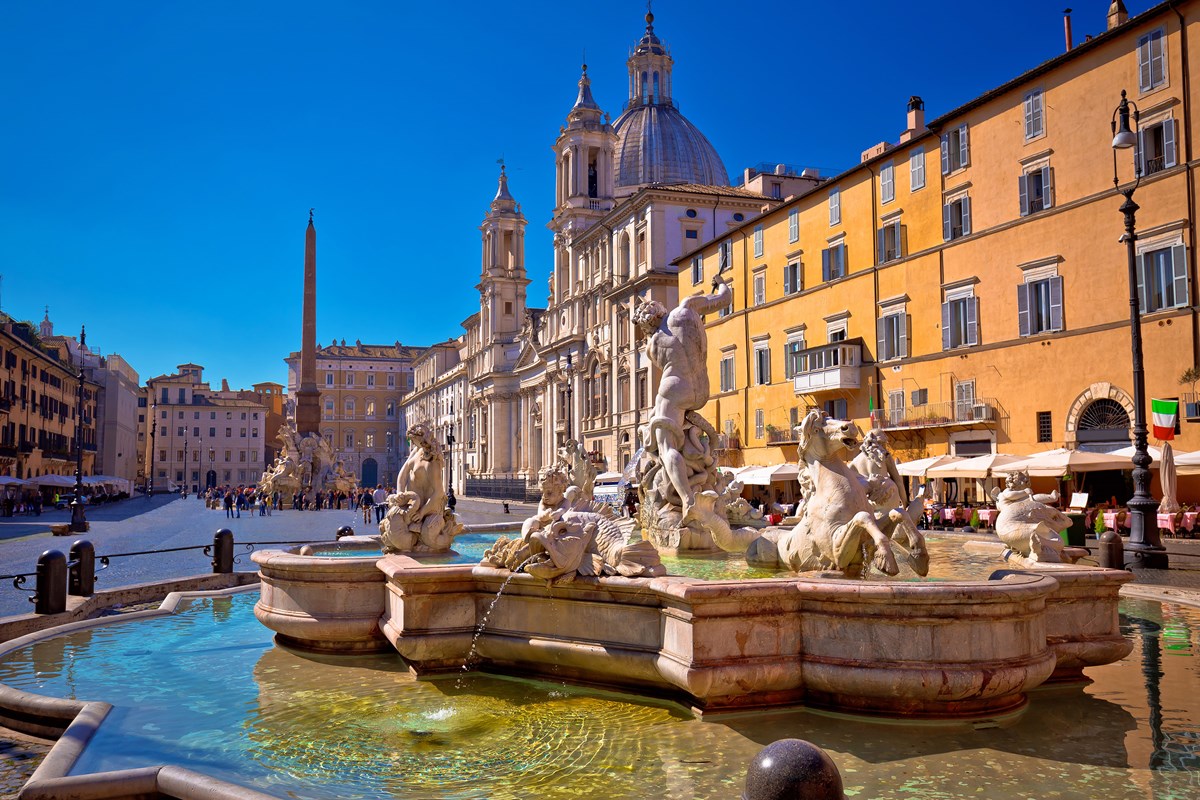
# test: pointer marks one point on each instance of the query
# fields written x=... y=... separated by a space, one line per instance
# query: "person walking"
x=380 y=500
x=365 y=502
x=229 y=504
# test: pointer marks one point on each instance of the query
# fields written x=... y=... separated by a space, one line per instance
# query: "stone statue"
x=886 y=492
x=417 y=516
x=571 y=536
x=738 y=510
x=1029 y=527
x=305 y=463
x=838 y=527
x=574 y=461
x=678 y=481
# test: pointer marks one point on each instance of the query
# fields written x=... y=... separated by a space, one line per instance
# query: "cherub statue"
x=417 y=516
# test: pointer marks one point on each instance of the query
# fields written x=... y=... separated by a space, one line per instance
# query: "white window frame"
x=892 y=331
x=1045 y=173
x=956 y=149
x=793 y=226
x=793 y=278
x=964 y=201
x=758 y=424
x=1170 y=146
x=964 y=326
x=916 y=170
x=1174 y=245
x=896 y=234
x=762 y=364
x=697 y=270
x=728 y=376
x=760 y=286
x=725 y=255
x=835 y=206
x=831 y=257
x=1038 y=274
x=792 y=349
x=1034 y=105
x=758 y=241
x=887 y=183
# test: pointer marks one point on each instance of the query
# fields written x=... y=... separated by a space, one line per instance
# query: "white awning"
x=918 y=468
x=1055 y=463
x=977 y=467
x=764 y=476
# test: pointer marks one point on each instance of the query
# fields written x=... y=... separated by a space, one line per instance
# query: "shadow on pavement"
x=30 y=525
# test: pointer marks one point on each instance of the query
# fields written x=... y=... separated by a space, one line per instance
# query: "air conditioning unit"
x=982 y=411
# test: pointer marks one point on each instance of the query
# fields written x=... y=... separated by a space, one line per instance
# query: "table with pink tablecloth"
x=1110 y=520
x=987 y=516
x=949 y=514
x=1176 y=523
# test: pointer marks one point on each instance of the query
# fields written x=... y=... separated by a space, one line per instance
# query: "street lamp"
x=78 y=517
x=153 y=428
x=185 y=464
x=212 y=471
x=450 y=501
x=1144 y=541
x=569 y=390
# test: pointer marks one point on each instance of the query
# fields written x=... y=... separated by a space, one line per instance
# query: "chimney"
x=916 y=118
x=224 y=384
x=1067 y=27
x=1117 y=14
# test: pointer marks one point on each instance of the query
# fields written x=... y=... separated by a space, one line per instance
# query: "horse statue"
x=417 y=516
x=838 y=527
x=885 y=490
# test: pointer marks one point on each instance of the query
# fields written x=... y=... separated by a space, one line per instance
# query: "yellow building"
x=965 y=288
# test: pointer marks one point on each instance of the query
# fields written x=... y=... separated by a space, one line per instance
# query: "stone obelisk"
x=308 y=397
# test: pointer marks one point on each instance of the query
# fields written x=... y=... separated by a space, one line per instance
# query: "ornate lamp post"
x=78 y=517
x=153 y=428
x=212 y=456
x=569 y=391
x=1144 y=542
x=450 y=500
x=185 y=464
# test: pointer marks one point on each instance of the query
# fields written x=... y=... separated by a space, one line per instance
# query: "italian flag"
x=1163 y=414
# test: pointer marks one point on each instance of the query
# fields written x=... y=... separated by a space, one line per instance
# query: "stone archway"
x=1101 y=390
x=370 y=472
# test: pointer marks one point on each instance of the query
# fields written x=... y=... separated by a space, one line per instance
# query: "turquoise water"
x=206 y=689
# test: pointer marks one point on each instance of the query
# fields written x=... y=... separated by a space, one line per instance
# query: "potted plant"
x=1190 y=377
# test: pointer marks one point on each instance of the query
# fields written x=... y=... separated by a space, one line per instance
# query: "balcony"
x=785 y=435
x=726 y=443
x=982 y=411
x=829 y=368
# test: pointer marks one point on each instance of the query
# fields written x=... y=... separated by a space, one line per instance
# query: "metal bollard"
x=223 y=551
x=51 y=597
x=344 y=531
x=82 y=566
x=1111 y=550
x=505 y=506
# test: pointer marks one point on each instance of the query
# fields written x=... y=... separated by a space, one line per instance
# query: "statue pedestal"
x=671 y=538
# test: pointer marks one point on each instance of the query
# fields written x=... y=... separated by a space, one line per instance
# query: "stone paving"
x=169 y=521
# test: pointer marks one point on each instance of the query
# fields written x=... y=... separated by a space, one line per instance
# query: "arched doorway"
x=1103 y=426
x=370 y=472
x=210 y=479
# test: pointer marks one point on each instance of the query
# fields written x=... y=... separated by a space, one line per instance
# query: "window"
x=370 y=408
x=887 y=183
x=350 y=440
x=391 y=381
x=228 y=455
x=794 y=226
x=956 y=153
x=1156 y=146
x=776 y=190
x=1152 y=63
x=919 y=397
x=758 y=241
x=916 y=170
x=391 y=409
x=760 y=288
x=762 y=365
x=370 y=441
x=243 y=433
x=1040 y=306
x=960 y=322
x=956 y=218
x=833 y=262
x=371 y=375
x=1045 y=427
x=793 y=280
x=835 y=408
x=791 y=357
x=835 y=207
x=725 y=255
x=727 y=377
x=329 y=379
x=212 y=433
x=697 y=270
x=196 y=432
x=1037 y=190
x=895 y=406
x=758 y=423
x=1162 y=278
x=964 y=400
x=229 y=433
x=1035 y=124
x=349 y=378
x=890 y=240
x=329 y=408
x=892 y=331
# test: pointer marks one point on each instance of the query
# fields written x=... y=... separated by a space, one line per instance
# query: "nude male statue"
x=677 y=346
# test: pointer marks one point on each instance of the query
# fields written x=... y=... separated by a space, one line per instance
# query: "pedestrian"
x=365 y=502
x=229 y=504
x=238 y=502
x=262 y=506
x=380 y=500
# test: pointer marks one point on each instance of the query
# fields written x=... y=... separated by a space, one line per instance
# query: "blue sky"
x=160 y=158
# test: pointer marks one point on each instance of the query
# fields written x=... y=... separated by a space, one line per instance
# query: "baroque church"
x=631 y=196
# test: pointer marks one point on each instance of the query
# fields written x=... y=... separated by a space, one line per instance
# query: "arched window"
x=644 y=93
x=391 y=409
x=656 y=87
x=595 y=381
x=1104 y=421
x=370 y=406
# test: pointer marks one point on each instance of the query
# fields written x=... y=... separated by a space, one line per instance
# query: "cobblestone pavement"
x=138 y=524
x=19 y=757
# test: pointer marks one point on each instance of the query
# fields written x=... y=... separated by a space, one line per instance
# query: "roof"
x=658 y=144
x=359 y=350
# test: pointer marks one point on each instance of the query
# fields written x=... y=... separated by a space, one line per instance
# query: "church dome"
x=657 y=144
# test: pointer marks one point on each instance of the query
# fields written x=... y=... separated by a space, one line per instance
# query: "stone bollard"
x=223 y=551
x=344 y=531
x=1111 y=550
x=82 y=566
x=505 y=506
x=51 y=596
x=790 y=769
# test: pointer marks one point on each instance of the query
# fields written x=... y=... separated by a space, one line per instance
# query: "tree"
x=1190 y=377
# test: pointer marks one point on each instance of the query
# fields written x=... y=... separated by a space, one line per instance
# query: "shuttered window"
x=1152 y=62
x=887 y=183
x=758 y=241
x=956 y=152
x=1156 y=147
x=835 y=207
x=1162 y=278
x=916 y=170
x=833 y=262
x=1040 y=306
x=960 y=323
x=956 y=218
x=892 y=332
x=1035 y=117
x=1036 y=190
x=792 y=280
x=794 y=226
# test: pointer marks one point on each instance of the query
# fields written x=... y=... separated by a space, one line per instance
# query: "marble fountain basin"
x=950 y=649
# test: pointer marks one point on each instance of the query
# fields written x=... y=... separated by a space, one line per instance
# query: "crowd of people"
x=236 y=499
